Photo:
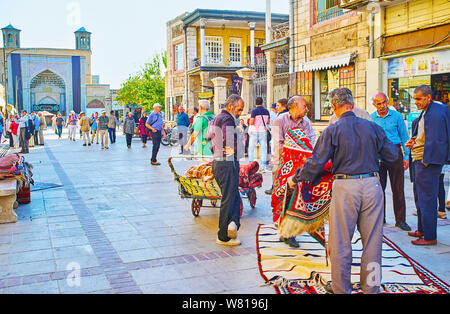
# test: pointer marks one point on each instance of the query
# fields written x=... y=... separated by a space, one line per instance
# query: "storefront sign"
x=423 y=64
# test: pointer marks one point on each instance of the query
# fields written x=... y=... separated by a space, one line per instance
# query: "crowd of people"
x=364 y=150
x=24 y=131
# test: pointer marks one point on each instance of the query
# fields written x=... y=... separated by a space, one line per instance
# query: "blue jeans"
x=255 y=138
x=112 y=135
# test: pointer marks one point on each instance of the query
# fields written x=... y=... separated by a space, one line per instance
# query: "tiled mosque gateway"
x=49 y=79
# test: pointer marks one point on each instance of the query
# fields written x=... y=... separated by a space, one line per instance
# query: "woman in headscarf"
x=128 y=128
x=143 y=132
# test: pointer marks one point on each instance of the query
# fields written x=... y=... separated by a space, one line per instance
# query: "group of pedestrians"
x=91 y=128
x=24 y=131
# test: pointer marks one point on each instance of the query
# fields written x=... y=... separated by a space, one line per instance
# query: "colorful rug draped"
x=306 y=208
x=305 y=271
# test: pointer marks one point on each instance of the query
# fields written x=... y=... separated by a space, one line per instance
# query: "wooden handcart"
x=200 y=191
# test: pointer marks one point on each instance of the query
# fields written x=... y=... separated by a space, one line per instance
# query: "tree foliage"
x=147 y=87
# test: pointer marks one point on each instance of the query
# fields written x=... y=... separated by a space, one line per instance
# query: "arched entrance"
x=94 y=106
x=48 y=92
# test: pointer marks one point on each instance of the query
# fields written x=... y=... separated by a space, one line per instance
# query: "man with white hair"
x=200 y=128
x=354 y=146
x=183 y=123
x=393 y=124
x=72 y=125
x=155 y=124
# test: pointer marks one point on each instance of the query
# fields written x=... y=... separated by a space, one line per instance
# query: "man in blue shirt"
x=395 y=128
x=183 y=123
x=155 y=124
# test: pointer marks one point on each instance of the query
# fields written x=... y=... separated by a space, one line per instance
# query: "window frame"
x=214 y=57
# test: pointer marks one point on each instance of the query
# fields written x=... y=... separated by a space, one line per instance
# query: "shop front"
x=405 y=73
x=319 y=77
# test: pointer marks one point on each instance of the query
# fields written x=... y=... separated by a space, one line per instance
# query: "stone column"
x=270 y=59
x=191 y=44
x=247 y=93
x=202 y=42
x=268 y=21
x=220 y=92
x=252 y=43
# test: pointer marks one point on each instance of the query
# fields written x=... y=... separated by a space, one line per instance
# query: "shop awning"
x=328 y=63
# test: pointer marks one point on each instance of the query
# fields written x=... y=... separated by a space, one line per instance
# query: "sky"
x=125 y=34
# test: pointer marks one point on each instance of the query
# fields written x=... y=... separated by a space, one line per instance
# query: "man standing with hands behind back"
x=354 y=146
x=393 y=124
x=155 y=124
x=430 y=150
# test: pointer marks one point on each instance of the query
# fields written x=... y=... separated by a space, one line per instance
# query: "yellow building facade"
x=207 y=44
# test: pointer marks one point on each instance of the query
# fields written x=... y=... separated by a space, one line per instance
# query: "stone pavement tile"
x=64 y=233
x=25 y=237
x=69 y=241
x=190 y=270
x=238 y=263
x=25 y=257
x=165 y=241
x=122 y=236
x=139 y=255
x=25 y=269
x=64 y=225
x=50 y=287
x=83 y=261
x=240 y=279
x=123 y=227
x=25 y=246
x=155 y=275
x=60 y=219
x=157 y=232
x=59 y=213
x=205 y=285
x=129 y=245
x=73 y=251
x=87 y=285
x=167 y=287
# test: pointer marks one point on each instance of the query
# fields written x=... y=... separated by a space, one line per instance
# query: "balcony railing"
x=220 y=61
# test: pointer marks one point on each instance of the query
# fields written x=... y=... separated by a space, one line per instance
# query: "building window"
x=214 y=50
x=179 y=57
x=235 y=51
x=331 y=79
x=327 y=9
x=304 y=82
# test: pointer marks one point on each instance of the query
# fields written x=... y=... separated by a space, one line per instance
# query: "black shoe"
x=269 y=191
x=328 y=288
x=292 y=242
x=84 y=145
x=403 y=225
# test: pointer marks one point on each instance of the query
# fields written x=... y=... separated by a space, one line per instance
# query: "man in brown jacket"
x=85 y=128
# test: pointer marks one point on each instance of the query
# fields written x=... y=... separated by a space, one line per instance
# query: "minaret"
x=11 y=37
x=82 y=39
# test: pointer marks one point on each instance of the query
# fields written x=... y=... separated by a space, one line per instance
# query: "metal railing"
x=221 y=61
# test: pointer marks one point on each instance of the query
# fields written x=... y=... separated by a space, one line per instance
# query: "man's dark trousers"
x=112 y=135
x=156 y=138
x=227 y=177
x=426 y=185
x=397 y=179
x=36 y=138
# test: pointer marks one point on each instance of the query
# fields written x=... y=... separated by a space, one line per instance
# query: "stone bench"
x=8 y=196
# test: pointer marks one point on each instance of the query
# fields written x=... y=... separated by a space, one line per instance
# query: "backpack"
x=210 y=135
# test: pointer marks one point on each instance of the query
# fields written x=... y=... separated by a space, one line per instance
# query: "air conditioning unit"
x=352 y=4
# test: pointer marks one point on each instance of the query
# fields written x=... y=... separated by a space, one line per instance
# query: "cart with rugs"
x=200 y=190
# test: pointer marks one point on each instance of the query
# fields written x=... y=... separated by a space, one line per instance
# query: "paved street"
x=124 y=223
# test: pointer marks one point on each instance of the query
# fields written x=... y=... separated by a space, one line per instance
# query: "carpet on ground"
x=305 y=270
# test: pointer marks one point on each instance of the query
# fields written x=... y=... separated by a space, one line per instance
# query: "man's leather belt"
x=358 y=176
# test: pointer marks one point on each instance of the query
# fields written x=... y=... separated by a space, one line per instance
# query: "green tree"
x=147 y=87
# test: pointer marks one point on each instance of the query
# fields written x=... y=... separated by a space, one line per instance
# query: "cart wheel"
x=252 y=198
x=214 y=203
x=242 y=208
x=196 y=206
